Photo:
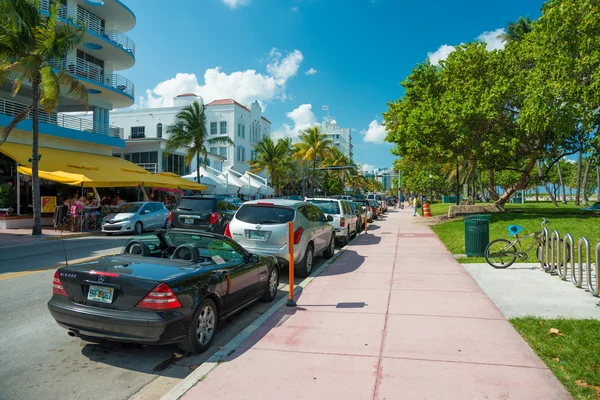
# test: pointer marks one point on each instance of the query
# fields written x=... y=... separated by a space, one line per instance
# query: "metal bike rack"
x=546 y=240
x=569 y=257
x=578 y=279
x=594 y=288
x=554 y=251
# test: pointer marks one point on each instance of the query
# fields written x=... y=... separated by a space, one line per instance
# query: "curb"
x=77 y=235
x=200 y=373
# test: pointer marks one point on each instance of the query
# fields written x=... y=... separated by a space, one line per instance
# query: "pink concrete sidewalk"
x=395 y=317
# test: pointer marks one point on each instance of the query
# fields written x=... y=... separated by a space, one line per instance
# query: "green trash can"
x=477 y=234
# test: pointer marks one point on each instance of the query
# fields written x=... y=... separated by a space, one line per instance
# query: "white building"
x=146 y=135
x=341 y=137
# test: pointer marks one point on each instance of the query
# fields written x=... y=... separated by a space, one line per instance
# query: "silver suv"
x=344 y=219
x=260 y=226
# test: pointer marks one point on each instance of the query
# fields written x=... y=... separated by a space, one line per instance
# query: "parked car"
x=593 y=207
x=206 y=213
x=381 y=199
x=375 y=208
x=367 y=208
x=297 y=198
x=174 y=286
x=136 y=218
x=261 y=227
x=344 y=219
x=360 y=211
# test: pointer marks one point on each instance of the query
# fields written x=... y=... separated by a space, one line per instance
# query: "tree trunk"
x=550 y=193
x=35 y=162
x=197 y=167
x=521 y=184
x=578 y=187
x=481 y=189
x=492 y=185
x=586 y=176
x=312 y=184
x=562 y=183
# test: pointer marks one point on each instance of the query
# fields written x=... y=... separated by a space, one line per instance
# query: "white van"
x=380 y=198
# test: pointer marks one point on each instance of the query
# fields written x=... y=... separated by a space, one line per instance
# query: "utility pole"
x=457 y=185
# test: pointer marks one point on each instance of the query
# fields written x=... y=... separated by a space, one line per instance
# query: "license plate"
x=256 y=235
x=188 y=221
x=101 y=294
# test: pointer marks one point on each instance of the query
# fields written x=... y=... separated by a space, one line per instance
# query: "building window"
x=223 y=152
x=241 y=130
x=174 y=163
x=214 y=150
x=223 y=127
x=252 y=153
x=138 y=132
x=241 y=154
x=159 y=130
x=213 y=128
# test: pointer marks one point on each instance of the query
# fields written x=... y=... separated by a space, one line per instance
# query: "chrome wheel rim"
x=205 y=327
x=309 y=261
x=273 y=282
x=138 y=228
x=332 y=245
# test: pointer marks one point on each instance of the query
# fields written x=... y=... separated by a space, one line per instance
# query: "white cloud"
x=440 y=54
x=368 y=167
x=375 y=134
x=236 y=3
x=302 y=118
x=294 y=9
x=243 y=86
x=311 y=71
x=492 y=39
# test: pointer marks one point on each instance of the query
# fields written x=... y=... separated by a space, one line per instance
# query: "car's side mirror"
x=253 y=258
x=329 y=218
x=146 y=212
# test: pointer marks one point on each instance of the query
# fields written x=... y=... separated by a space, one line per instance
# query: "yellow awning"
x=91 y=170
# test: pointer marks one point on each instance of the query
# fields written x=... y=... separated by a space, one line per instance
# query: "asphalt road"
x=39 y=359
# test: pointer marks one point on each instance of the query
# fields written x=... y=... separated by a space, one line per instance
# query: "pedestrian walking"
x=414 y=204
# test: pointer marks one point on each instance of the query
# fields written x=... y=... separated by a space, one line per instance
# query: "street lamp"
x=430 y=188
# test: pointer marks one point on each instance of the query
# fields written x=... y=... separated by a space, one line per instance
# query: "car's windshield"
x=129 y=208
x=211 y=250
x=265 y=214
x=196 y=205
x=327 y=206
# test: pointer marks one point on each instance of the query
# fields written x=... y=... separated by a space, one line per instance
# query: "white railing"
x=120 y=39
x=12 y=109
x=150 y=167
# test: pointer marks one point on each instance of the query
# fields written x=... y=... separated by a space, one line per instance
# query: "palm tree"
x=271 y=156
x=313 y=146
x=516 y=31
x=336 y=158
x=29 y=42
x=189 y=130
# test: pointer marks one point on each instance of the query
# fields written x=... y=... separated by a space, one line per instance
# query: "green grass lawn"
x=566 y=219
x=573 y=355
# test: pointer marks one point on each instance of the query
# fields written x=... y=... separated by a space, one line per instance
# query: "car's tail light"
x=298 y=235
x=214 y=218
x=160 y=298
x=342 y=222
x=228 y=231
x=171 y=216
x=57 y=287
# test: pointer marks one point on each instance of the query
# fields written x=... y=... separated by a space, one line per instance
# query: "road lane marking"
x=11 y=275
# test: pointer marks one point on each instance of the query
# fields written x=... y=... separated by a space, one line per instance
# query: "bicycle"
x=502 y=253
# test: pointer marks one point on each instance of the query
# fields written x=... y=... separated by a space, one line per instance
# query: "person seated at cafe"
x=106 y=201
x=121 y=202
x=116 y=200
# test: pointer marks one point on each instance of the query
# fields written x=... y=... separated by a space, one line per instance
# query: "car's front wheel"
x=138 y=228
x=272 y=285
x=201 y=329
x=305 y=267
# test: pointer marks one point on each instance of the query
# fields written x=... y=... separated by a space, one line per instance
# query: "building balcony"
x=11 y=109
x=95 y=79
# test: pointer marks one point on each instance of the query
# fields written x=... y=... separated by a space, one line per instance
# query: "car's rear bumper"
x=137 y=326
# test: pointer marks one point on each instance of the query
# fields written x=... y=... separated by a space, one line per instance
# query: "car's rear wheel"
x=138 y=228
x=346 y=238
x=272 y=285
x=201 y=329
x=328 y=253
x=305 y=268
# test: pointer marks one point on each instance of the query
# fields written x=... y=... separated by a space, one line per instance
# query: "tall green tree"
x=29 y=41
x=336 y=158
x=272 y=157
x=189 y=130
x=313 y=146
x=516 y=31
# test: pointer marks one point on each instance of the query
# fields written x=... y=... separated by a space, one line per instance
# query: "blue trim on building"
x=80 y=78
x=66 y=133
x=111 y=43
x=127 y=8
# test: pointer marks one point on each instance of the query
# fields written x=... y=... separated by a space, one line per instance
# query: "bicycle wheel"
x=500 y=253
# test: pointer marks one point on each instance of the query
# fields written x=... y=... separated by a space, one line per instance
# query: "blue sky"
x=295 y=56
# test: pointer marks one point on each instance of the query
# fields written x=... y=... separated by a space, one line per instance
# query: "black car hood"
x=155 y=269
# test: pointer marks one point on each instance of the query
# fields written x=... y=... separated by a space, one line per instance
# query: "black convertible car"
x=168 y=287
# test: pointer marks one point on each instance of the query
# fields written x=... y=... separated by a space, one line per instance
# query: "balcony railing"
x=150 y=167
x=92 y=23
x=12 y=109
x=85 y=69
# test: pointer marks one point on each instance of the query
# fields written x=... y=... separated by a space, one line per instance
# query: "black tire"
x=327 y=254
x=304 y=269
x=272 y=285
x=500 y=253
x=138 y=228
x=192 y=344
x=346 y=238
x=108 y=233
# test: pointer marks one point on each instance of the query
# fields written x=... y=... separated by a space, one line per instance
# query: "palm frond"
x=219 y=140
x=49 y=89
x=77 y=90
x=18 y=118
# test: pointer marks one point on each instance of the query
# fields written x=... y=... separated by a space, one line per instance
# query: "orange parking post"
x=366 y=220
x=291 y=302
